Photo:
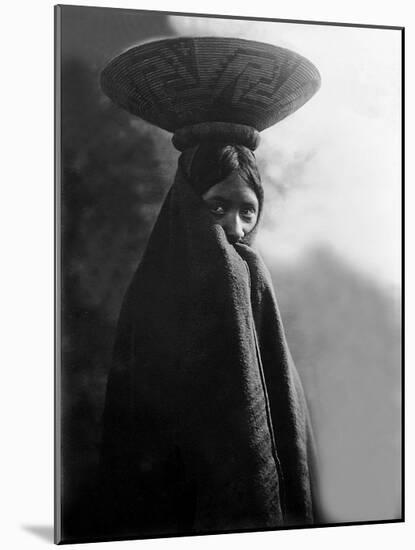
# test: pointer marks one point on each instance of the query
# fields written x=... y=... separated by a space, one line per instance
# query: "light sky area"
x=332 y=170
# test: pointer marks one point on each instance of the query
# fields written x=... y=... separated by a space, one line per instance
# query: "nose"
x=233 y=228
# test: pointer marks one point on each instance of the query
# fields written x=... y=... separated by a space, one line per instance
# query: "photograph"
x=228 y=263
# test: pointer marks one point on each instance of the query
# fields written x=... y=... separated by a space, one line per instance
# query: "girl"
x=205 y=425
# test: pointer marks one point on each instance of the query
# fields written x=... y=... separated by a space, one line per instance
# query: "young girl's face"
x=234 y=206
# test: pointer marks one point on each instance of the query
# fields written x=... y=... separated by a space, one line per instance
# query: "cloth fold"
x=205 y=426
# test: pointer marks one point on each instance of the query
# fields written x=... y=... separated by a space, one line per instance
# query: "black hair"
x=213 y=162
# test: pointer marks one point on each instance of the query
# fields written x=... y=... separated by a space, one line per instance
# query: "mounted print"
x=228 y=274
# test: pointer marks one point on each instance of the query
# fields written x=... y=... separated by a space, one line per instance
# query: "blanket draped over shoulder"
x=205 y=426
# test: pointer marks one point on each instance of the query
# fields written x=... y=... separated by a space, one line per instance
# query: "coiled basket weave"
x=184 y=82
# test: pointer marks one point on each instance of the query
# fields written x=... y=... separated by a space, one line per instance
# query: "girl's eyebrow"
x=218 y=198
x=249 y=203
x=227 y=202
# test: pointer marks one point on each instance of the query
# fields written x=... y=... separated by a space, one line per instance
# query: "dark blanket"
x=205 y=426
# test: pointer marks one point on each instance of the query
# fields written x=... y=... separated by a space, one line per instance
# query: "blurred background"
x=331 y=237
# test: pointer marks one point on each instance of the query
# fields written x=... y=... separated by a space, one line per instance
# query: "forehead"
x=233 y=188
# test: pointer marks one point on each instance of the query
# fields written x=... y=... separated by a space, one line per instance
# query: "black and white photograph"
x=206 y=274
x=228 y=274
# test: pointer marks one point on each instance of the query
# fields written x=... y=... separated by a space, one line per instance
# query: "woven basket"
x=179 y=82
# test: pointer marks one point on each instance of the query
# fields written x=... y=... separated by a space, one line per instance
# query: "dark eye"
x=217 y=210
x=248 y=213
